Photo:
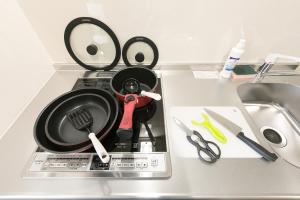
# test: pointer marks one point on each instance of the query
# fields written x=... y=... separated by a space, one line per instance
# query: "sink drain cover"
x=273 y=136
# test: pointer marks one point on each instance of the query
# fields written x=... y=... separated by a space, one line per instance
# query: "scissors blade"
x=179 y=123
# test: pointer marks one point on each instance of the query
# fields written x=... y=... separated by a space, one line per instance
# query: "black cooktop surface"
x=148 y=123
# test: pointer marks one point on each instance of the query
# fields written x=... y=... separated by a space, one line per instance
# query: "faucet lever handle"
x=272 y=58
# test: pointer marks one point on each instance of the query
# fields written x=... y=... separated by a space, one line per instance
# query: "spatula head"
x=80 y=118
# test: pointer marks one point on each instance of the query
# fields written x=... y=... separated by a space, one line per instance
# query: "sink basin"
x=275 y=109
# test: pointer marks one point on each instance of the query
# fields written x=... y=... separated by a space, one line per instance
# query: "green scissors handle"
x=212 y=129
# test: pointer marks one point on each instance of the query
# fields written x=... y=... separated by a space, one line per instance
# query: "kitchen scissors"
x=208 y=151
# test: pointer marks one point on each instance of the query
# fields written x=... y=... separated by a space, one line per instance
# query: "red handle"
x=125 y=126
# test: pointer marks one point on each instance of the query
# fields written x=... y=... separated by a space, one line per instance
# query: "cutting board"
x=234 y=148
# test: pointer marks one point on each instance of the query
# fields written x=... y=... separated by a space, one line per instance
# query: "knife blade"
x=235 y=129
x=232 y=127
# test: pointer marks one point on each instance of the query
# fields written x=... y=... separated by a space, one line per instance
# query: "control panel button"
x=97 y=164
x=119 y=165
x=145 y=165
x=154 y=162
x=139 y=165
x=125 y=165
x=131 y=164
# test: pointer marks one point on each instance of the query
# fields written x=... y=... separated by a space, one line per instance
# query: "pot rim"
x=121 y=71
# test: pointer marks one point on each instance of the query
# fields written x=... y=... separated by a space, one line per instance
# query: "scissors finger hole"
x=198 y=139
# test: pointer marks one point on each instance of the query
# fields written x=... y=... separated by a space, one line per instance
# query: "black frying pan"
x=39 y=127
x=61 y=131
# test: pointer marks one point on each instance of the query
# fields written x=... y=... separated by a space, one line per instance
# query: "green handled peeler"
x=212 y=129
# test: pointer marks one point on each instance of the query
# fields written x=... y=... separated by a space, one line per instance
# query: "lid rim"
x=90 y=20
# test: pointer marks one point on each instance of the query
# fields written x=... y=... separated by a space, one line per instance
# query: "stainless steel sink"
x=275 y=109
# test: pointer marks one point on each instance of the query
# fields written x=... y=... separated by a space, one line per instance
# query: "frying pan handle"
x=125 y=128
x=152 y=95
x=102 y=153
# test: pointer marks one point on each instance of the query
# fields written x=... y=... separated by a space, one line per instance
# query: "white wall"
x=187 y=31
x=190 y=31
x=24 y=64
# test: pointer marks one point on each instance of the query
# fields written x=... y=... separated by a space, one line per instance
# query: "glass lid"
x=140 y=51
x=92 y=44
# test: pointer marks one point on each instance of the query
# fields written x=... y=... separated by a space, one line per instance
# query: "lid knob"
x=92 y=49
x=139 y=57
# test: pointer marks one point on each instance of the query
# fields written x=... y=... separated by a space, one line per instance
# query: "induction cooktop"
x=146 y=155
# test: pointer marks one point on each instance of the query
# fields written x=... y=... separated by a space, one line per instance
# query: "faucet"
x=269 y=62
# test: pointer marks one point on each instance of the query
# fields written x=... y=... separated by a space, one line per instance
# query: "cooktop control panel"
x=45 y=162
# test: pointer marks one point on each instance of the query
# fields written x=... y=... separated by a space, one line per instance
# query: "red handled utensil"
x=125 y=127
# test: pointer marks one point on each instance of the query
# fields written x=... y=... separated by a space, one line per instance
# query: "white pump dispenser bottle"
x=232 y=59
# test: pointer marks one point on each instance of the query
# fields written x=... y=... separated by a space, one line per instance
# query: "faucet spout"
x=269 y=62
x=262 y=70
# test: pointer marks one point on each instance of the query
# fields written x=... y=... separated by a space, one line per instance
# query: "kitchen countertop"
x=191 y=178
